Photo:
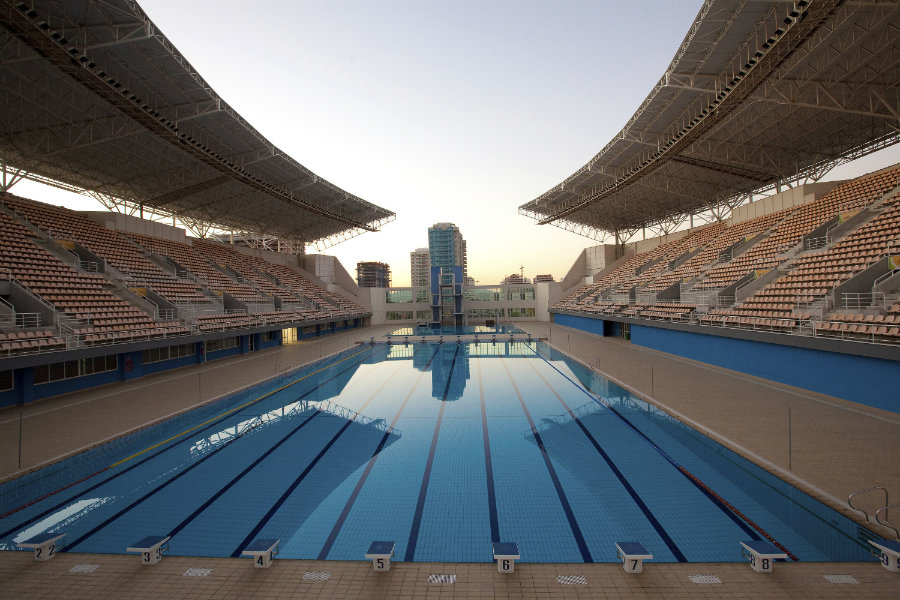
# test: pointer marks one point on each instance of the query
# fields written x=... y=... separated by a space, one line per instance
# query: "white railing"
x=816 y=243
x=864 y=300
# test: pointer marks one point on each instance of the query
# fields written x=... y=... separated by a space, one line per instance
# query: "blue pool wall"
x=866 y=380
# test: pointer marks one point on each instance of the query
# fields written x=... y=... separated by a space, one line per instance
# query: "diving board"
x=150 y=548
x=890 y=554
x=44 y=545
x=506 y=554
x=381 y=553
x=761 y=554
x=263 y=550
x=633 y=555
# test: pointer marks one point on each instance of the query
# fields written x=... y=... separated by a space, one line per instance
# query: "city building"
x=543 y=278
x=420 y=267
x=373 y=274
x=447 y=247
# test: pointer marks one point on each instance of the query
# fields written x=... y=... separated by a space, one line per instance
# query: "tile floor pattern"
x=122 y=576
x=60 y=426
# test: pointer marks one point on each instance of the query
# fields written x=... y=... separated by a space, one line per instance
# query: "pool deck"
x=823 y=445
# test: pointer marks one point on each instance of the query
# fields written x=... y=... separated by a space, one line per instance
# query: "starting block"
x=633 y=555
x=44 y=545
x=506 y=554
x=263 y=550
x=381 y=553
x=890 y=554
x=761 y=554
x=150 y=548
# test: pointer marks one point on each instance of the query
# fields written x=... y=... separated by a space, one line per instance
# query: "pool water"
x=442 y=448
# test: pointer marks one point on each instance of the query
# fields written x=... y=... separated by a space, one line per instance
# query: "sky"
x=438 y=110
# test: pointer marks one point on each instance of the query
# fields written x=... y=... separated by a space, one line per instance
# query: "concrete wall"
x=787 y=199
x=132 y=224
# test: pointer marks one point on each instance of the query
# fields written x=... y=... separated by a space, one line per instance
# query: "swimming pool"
x=442 y=448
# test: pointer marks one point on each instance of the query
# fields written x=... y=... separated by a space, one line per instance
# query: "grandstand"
x=757 y=265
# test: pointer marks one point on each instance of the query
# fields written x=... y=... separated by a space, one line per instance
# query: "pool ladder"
x=884 y=523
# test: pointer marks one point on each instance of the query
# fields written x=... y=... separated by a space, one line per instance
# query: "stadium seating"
x=43 y=251
x=797 y=295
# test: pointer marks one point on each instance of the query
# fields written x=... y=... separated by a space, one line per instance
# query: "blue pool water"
x=441 y=448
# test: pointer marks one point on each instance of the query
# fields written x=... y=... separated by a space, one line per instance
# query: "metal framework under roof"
x=760 y=94
x=95 y=97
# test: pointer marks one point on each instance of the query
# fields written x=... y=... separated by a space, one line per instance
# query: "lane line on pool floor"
x=426 y=477
x=488 y=463
x=190 y=467
x=739 y=518
x=210 y=421
x=348 y=506
x=296 y=483
x=211 y=424
x=567 y=508
x=654 y=522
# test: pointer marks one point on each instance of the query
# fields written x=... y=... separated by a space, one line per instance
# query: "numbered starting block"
x=381 y=553
x=761 y=554
x=263 y=550
x=150 y=548
x=633 y=555
x=506 y=554
x=890 y=554
x=44 y=545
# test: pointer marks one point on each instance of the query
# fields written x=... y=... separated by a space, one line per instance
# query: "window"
x=75 y=368
x=423 y=315
x=398 y=296
x=520 y=293
x=268 y=336
x=521 y=312
x=483 y=294
x=221 y=344
x=399 y=315
x=6 y=380
x=168 y=353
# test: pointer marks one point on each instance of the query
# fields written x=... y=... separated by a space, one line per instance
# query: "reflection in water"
x=450 y=370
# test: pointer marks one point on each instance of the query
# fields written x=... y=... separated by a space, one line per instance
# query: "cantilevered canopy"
x=94 y=96
x=759 y=94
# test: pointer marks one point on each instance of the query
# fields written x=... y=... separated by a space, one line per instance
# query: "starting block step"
x=890 y=554
x=44 y=545
x=761 y=554
x=381 y=553
x=633 y=555
x=150 y=548
x=263 y=550
x=506 y=554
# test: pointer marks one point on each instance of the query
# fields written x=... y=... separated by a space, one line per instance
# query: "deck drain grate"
x=705 y=578
x=442 y=579
x=840 y=578
x=571 y=579
x=84 y=568
x=316 y=576
x=197 y=572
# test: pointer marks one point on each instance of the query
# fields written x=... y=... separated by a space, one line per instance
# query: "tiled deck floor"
x=830 y=452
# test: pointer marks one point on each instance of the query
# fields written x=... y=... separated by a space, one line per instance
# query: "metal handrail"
x=887 y=523
x=866 y=491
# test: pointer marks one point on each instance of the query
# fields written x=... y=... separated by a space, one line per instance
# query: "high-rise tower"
x=419 y=267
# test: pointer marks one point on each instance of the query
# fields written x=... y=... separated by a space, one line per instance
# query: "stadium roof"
x=94 y=96
x=759 y=94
